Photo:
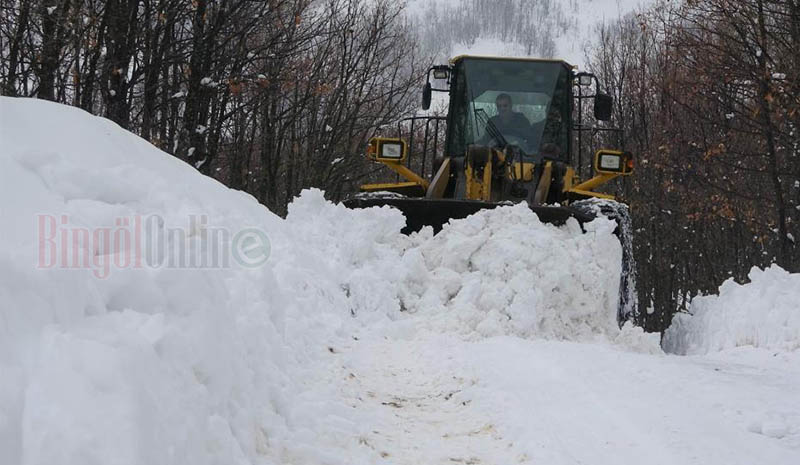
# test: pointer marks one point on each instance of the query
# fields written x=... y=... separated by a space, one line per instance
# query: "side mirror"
x=603 y=107
x=426 y=96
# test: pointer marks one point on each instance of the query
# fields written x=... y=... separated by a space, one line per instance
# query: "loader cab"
x=489 y=155
x=540 y=90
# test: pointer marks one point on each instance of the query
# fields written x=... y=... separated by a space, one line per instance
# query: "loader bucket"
x=436 y=213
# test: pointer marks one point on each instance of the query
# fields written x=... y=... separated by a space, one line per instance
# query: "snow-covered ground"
x=227 y=335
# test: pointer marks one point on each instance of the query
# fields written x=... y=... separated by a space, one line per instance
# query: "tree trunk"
x=765 y=96
x=10 y=86
x=48 y=58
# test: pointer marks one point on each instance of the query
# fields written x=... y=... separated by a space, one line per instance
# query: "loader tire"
x=628 y=306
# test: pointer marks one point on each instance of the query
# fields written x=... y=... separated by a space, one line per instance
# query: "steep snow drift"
x=218 y=333
x=763 y=313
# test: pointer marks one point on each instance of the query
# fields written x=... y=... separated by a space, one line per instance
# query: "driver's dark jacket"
x=518 y=125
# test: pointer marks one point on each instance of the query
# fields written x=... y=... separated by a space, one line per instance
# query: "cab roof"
x=458 y=58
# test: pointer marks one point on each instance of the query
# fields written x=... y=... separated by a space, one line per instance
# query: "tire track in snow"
x=422 y=414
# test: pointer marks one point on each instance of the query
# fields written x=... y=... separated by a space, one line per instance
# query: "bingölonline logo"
x=140 y=241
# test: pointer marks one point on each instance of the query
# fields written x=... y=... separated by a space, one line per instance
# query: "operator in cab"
x=542 y=138
x=508 y=121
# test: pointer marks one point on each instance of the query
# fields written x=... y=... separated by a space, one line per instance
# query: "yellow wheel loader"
x=513 y=134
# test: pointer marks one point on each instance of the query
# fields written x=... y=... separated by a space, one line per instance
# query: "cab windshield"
x=540 y=106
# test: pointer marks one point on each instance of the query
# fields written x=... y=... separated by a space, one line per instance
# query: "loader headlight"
x=585 y=79
x=440 y=73
x=613 y=162
x=392 y=150
x=387 y=149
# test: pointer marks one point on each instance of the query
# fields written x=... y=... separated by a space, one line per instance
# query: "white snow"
x=762 y=313
x=331 y=338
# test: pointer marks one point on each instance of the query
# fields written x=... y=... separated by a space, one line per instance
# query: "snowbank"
x=164 y=362
x=112 y=354
x=763 y=313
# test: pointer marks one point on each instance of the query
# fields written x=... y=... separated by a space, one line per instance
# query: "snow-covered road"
x=440 y=399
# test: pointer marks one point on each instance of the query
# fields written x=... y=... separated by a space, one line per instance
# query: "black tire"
x=628 y=306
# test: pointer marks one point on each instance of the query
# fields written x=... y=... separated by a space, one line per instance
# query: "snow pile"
x=110 y=354
x=763 y=313
x=504 y=272
x=498 y=272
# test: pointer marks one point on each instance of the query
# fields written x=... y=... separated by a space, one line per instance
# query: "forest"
x=708 y=97
x=271 y=97
x=268 y=97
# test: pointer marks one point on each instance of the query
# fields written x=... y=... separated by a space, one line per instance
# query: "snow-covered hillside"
x=539 y=28
x=149 y=315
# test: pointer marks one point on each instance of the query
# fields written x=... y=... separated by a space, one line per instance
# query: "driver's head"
x=503 y=102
